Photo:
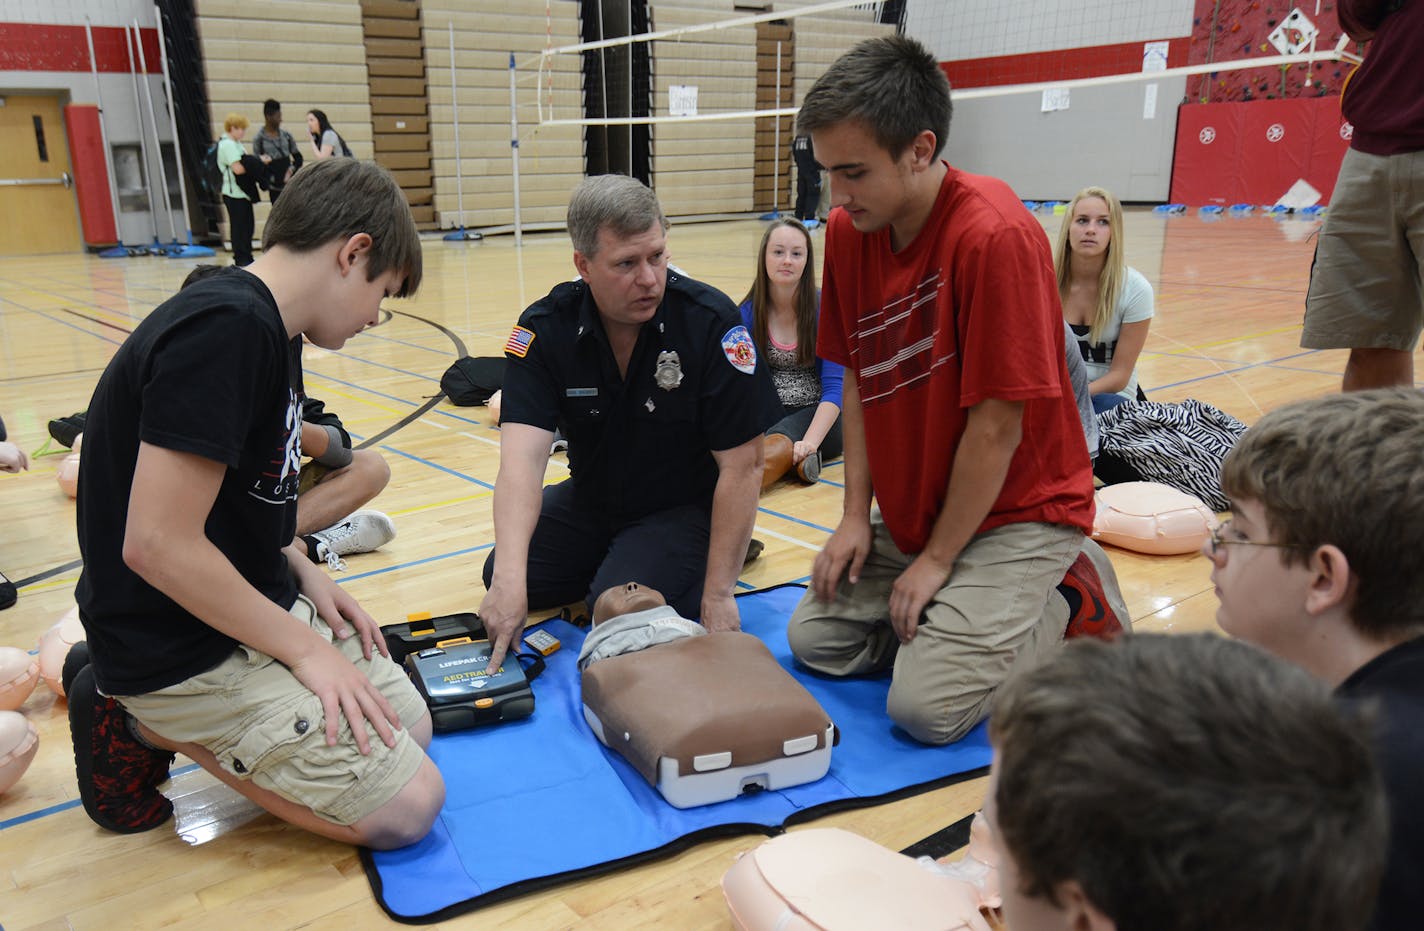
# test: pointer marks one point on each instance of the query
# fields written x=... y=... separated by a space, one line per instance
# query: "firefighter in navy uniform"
x=657 y=386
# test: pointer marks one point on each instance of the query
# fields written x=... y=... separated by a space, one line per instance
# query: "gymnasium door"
x=37 y=210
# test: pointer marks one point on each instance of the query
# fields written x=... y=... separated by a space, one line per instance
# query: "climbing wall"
x=1231 y=30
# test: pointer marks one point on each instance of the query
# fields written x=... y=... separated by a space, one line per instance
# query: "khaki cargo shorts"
x=1367 y=283
x=264 y=725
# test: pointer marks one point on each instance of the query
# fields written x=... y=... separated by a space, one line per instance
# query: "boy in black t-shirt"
x=336 y=482
x=209 y=632
x=1322 y=563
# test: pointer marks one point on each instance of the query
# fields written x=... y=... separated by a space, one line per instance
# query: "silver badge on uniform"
x=669 y=372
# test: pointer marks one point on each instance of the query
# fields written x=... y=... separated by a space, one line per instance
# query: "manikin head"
x=1170 y=783
x=625 y=599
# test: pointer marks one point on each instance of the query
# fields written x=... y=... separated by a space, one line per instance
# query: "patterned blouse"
x=797 y=385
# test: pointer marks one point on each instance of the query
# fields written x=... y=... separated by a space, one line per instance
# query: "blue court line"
x=434 y=465
x=1297 y=368
x=401 y=342
x=62 y=322
x=1192 y=357
x=382 y=365
x=36 y=815
x=417 y=562
x=1243 y=368
x=75 y=803
x=127 y=313
x=390 y=397
x=796 y=520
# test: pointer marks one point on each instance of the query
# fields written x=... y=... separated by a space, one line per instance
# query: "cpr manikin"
x=676 y=703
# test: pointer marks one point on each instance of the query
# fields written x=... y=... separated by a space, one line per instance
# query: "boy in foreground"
x=1175 y=783
x=1322 y=565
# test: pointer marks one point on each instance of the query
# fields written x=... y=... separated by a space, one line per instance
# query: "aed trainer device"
x=541 y=642
x=453 y=678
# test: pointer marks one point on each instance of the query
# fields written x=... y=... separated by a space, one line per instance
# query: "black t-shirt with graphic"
x=209 y=372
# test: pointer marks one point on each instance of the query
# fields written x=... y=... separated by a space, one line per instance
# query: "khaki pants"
x=264 y=725
x=999 y=608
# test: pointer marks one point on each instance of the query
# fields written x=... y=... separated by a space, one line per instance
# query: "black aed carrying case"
x=446 y=658
x=422 y=630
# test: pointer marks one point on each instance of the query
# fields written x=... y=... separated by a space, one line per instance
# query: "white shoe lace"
x=327 y=541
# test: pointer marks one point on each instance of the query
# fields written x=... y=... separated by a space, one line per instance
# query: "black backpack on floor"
x=472 y=380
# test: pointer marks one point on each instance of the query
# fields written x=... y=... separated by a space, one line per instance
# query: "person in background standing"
x=277 y=149
x=239 y=205
x=808 y=181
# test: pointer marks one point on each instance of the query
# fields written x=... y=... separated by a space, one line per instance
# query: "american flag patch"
x=519 y=342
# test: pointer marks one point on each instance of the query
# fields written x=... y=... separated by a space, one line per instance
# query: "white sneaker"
x=362 y=532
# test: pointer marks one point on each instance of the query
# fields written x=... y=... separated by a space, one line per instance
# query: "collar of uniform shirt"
x=590 y=322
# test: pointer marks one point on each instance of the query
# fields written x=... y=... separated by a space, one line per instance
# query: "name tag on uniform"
x=581 y=392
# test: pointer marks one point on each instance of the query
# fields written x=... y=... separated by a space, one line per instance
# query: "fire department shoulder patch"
x=740 y=350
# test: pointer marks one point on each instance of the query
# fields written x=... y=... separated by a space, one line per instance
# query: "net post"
x=514 y=152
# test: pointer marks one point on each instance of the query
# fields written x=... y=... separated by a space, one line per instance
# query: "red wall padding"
x=1251 y=153
x=91 y=174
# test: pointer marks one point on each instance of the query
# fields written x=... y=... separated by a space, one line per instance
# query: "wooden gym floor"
x=1229 y=298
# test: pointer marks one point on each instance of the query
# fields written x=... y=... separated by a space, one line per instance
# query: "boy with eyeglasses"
x=1322 y=564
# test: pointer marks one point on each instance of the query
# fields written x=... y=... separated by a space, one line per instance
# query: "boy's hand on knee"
x=345 y=690
x=912 y=591
x=345 y=617
x=843 y=554
x=337 y=607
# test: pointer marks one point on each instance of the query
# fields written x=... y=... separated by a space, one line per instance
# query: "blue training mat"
x=535 y=802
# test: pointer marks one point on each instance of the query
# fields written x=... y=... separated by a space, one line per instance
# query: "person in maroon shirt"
x=1367 y=284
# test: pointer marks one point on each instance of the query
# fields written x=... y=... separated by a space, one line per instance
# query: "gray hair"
x=892 y=84
x=625 y=205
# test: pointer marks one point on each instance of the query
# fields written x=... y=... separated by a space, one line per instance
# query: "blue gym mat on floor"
x=536 y=802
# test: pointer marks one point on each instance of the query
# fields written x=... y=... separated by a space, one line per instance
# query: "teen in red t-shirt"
x=940 y=301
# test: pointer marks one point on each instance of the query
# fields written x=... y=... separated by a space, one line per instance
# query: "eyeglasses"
x=1217 y=542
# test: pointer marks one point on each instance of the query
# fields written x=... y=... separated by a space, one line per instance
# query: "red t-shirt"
x=967 y=311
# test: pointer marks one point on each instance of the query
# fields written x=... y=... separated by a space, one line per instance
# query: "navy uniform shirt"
x=643 y=445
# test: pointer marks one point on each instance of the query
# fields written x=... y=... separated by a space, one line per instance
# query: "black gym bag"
x=472 y=380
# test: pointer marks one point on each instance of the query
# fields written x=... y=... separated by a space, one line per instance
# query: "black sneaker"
x=118 y=776
x=65 y=429
x=8 y=593
x=74 y=662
